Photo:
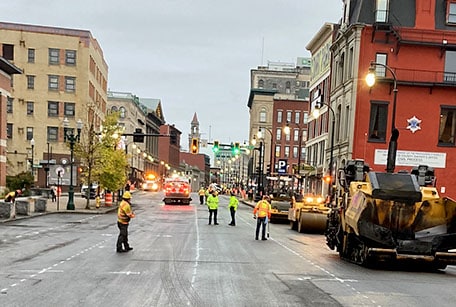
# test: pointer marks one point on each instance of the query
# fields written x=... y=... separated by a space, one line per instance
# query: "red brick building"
x=414 y=46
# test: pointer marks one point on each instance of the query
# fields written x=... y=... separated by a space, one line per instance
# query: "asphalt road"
x=178 y=260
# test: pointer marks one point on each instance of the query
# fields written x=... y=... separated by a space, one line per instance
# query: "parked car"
x=93 y=191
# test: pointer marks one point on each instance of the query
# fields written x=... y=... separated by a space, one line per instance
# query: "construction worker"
x=202 y=194
x=124 y=214
x=263 y=211
x=233 y=204
x=11 y=196
x=212 y=203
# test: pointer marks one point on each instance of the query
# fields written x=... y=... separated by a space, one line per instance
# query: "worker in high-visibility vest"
x=202 y=194
x=261 y=212
x=212 y=204
x=124 y=214
x=11 y=196
x=232 y=205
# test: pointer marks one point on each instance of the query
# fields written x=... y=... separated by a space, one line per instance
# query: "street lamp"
x=392 y=146
x=32 y=143
x=72 y=138
x=316 y=113
x=260 y=190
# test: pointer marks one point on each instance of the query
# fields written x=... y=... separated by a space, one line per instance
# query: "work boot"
x=264 y=239
x=129 y=249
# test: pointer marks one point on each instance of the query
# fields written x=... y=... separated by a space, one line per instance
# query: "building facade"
x=271 y=87
x=6 y=71
x=413 y=47
x=65 y=76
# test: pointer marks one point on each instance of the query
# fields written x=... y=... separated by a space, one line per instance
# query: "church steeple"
x=194 y=130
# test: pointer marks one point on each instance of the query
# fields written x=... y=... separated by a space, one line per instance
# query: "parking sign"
x=282 y=166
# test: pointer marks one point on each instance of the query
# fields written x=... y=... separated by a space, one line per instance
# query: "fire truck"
x=177 y=191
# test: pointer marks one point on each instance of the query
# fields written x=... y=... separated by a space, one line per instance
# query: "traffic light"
x=237 y=148
x=138 y=136
x=216 y=147
x=194 y=147
x=268 y=169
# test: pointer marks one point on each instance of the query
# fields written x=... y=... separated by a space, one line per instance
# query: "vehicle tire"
x=301 y=226
x=293 y=225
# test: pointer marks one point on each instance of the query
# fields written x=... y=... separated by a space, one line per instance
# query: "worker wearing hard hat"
x=124 y=214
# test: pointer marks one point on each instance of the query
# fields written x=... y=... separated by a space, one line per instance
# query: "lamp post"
x=271 y=156
x=260 y=189
x=392 y=146
x=32 y=144
x=72 y=138
x=316 y=113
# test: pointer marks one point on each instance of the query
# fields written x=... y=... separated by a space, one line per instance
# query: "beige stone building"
x=65 y=76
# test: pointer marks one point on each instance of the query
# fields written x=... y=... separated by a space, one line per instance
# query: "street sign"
x=282 y=166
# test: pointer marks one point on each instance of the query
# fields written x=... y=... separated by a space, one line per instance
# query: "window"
x=278 y=134
x=377 y=123
x=53 y=108
x=305 y=118
x=70 y=57
x=31 y=55
x=261 y=83
x=69 y=109
x=53 y=82
x=288 y=87
x=288 y=137
x=289 y=116
x=262 y=118
x=30 y=82
x=29 y=133
x=450 y=67
x=54 y=56
x=67 y=131
x=451 y=12
x=380 y=71
x=9 y=131
x=287 y=151
x=297 y=115
x=114 y=109
x=8 y=52
x=279 y=116
x=123 y=112
x=381 y=10
x=274 y=86
x=295 y=152
x=447 y=126
x=277 y=151
x=9 y=105
x=52 y=133
x=30 y=107
x=295 y=135
x=70 y=84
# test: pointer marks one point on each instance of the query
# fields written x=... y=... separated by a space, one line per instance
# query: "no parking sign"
x=282 y=166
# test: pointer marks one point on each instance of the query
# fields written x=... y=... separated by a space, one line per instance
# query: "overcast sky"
x=194 y=55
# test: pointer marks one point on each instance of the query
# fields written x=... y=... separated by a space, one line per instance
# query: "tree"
x=99 y=156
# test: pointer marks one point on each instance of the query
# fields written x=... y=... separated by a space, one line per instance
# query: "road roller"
x=309 y=215
x=392 y=217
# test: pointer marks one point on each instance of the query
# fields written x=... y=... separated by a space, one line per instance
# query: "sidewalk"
x=60 y=206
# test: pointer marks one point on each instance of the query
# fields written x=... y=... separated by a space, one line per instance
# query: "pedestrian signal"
x=194 y=146
x=327 y=179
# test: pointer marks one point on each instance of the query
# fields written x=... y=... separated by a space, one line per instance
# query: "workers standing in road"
x=233 y=204
x=263 y=210
x=212 y=203
x=202 y=194
x=124 y=214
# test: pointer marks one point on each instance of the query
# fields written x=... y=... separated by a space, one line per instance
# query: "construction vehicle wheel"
x=312 y=222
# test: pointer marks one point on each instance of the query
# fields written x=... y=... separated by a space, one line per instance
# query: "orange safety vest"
x=263 y=208
x=124 y=213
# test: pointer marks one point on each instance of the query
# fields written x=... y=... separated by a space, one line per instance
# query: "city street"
x=179 y=260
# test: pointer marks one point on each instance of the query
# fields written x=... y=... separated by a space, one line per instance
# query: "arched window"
x=114 y=109
x=263 y=116
x=260 y=83
x=288 y=87
x=123 y=112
